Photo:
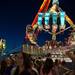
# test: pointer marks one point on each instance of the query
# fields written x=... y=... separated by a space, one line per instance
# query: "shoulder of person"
x=35 y=71
x=13 y=70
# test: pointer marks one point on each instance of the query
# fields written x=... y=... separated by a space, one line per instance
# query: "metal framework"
x=44 y=8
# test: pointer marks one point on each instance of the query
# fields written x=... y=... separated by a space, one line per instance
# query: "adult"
x=71 y=54
x=48 y=68
x=24 y=65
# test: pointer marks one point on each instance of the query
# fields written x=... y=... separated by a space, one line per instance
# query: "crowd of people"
x=25 y=64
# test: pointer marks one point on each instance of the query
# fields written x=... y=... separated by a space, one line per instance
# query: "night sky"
x=16 y=14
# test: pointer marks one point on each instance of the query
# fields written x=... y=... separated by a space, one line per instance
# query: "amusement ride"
x=53 y=21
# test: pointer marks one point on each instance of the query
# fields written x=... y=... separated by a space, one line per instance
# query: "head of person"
x=23 y=59
x=63 y=63
x=3 y=66
x=48 y=65
x=57 y=62
x=48 y=55
x=9 y=61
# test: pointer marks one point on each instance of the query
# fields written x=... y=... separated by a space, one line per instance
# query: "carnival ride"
x=48 y=14
x=53 y=21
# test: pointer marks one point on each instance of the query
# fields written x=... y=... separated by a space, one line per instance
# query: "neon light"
x=47 y=17
x=54 y=17
x=40 y=16
x=62 y=20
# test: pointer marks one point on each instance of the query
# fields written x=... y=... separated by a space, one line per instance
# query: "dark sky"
x=16 y=14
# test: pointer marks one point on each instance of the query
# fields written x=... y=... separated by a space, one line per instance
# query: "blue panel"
x=40 y=16
x=62 y=18
x=47 y=16
x=54 y=17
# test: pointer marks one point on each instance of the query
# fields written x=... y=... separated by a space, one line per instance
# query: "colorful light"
x=47 y=17
x=54 y=18
x=40 y=17
x=62 y=20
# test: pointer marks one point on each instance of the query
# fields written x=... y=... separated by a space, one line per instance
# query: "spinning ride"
x=52 y=20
